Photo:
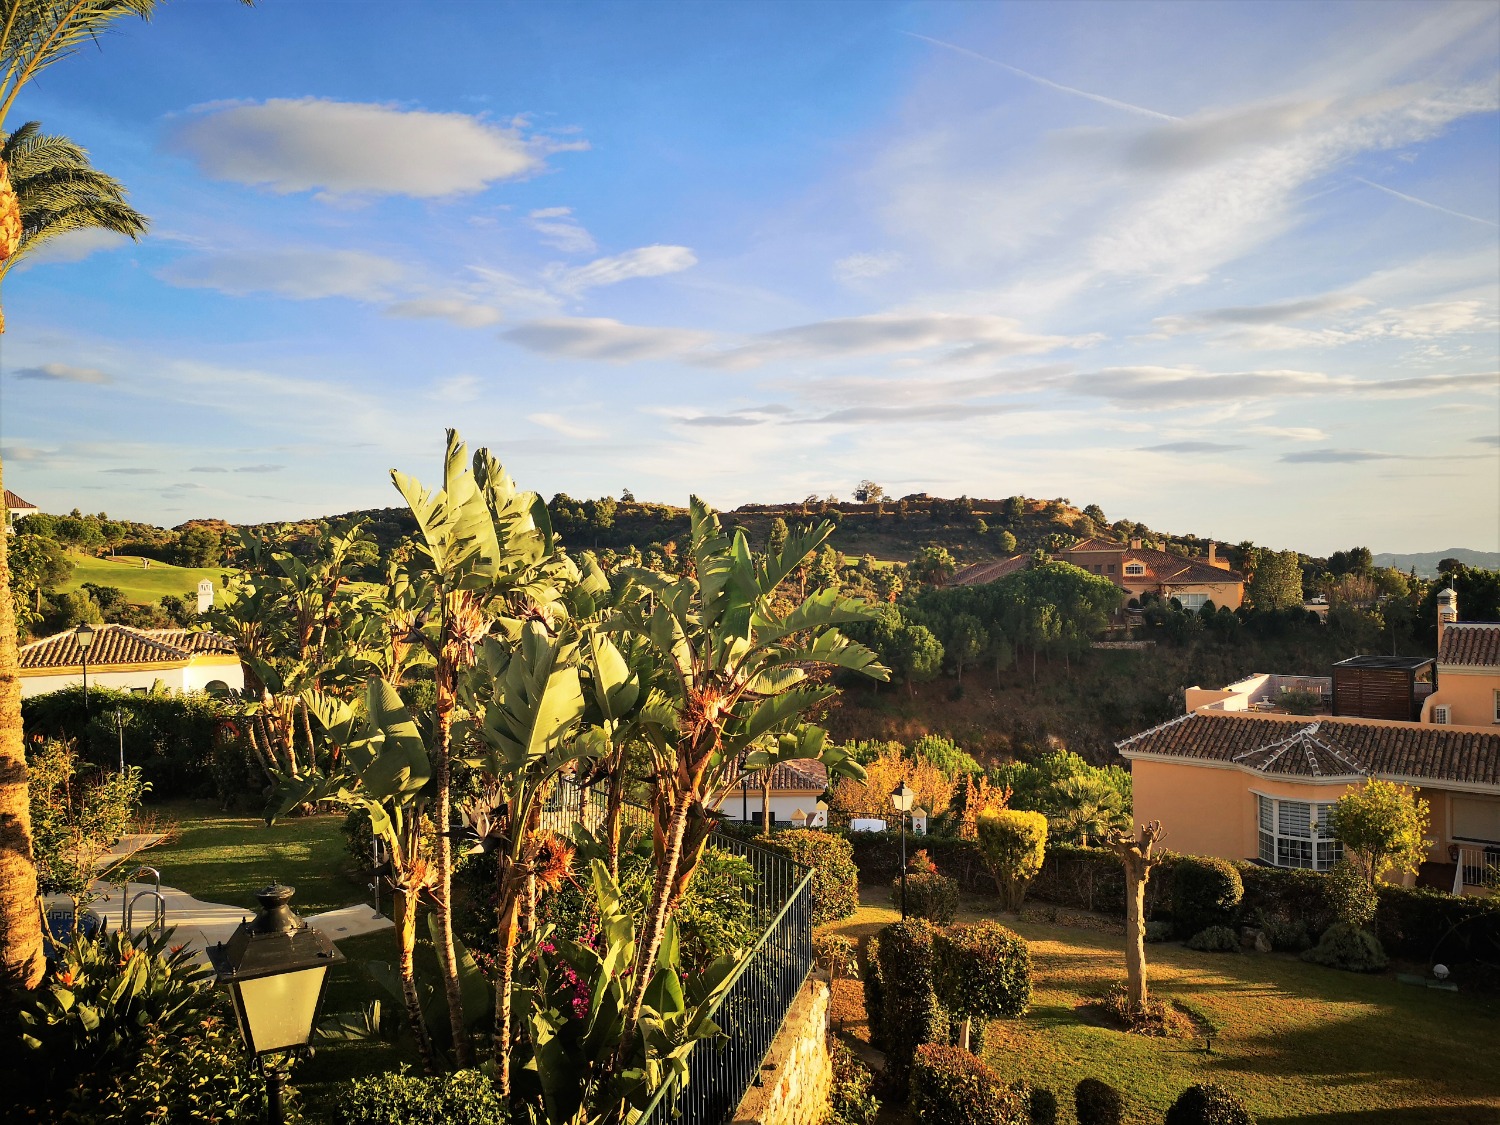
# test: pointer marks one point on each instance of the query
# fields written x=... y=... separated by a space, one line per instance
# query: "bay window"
x=1296 y=834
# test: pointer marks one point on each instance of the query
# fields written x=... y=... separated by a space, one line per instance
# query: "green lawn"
x=142 y=585
x=220 y=857
x=1298 y=1042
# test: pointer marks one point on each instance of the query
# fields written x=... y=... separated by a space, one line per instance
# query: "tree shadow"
x=1475 y=1114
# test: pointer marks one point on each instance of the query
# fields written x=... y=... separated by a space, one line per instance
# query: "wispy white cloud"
x=1425 y=203
x=602 y=338
x=865 y=267
x=65 y=373
x=357 y=148
x=560 y=230
x=646 y=261
x=301 y=273
x=564 y=426
x=1149 y=388
x=74 y=246
x=465 y=314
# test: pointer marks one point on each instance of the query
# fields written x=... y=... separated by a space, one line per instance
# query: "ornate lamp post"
x=276 y=970
x=902 y=797
x=84 y=636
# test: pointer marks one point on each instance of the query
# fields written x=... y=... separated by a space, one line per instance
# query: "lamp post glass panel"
x=276 y=969
x=84 y=635
x=902 y=798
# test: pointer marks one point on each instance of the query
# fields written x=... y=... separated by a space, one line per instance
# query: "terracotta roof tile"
x=802 y=773
x=1163 y=566
x=117 y=644
x=1097 y=544
x=1326 y=747
x=14 y=502
x=980 y=573
x=1476 y=644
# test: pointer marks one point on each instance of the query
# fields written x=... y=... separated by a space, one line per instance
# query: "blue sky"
x=1223 y=268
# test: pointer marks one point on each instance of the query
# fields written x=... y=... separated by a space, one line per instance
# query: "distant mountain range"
x=1426 y=562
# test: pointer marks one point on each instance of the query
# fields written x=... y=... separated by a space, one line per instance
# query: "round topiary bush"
x=1215 y=939
x=1208 y=1104
x=1098 y=1103
x=929 y=895
x=949 y=1086
x=835 y=881
x=1347 y=947
x=982 y=971
x=1206 y=891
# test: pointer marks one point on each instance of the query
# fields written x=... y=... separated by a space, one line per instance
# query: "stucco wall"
x=797 y=1076
x=1469 y=696
x=190 y=677
x=782 y=807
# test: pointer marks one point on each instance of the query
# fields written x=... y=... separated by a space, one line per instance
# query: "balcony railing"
x=1477 y=867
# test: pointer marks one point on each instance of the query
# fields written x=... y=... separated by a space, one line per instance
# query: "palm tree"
x=21 y=963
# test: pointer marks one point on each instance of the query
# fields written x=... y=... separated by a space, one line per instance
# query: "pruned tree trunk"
x=612 y=811
x=21 y=962
x=765 y=804
x=1135 y=854
x=404 y=911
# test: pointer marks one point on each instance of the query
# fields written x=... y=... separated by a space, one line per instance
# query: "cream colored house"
x=1139 y=569
x=796 y=788
x=133 y=660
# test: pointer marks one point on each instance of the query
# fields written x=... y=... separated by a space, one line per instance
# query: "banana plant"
x=528 y=708
x=736 y=677
x=577 y=995
x=383 y=768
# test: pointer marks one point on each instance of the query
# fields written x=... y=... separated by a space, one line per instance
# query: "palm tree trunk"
x=648 y=943
x=404 y=909
x=21 y=963
x=507 y=911
x=765 y=804
x=443 y=855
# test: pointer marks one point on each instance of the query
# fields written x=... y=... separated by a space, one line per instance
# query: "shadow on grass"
x=1399 y=1115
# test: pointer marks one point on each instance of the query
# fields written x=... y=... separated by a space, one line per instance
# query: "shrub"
x=982 y=971
x=76 y=814
x=1215 y=939
x=1039 y=1102
x=1013 y=844
x=837 y=954
x=359 y=836
x=1285 y=936
x=928 y=895
x=1158 y=931
x=835 y=881
x=851 y=1102
x=1208 y=1104
x=869 y=977
x=1098 y=1103
x=466 y=1097
x=158 y=1042
x=1205 y=892
x=1343 y=946
x=910 y=1013
x=1155 y=1018
x=952 y=1087
x=1350 y=895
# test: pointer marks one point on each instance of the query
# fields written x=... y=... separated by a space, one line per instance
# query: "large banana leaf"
x=401 y=764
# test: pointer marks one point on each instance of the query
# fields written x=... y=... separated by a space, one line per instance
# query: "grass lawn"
x=142 y=585
x=1298 y=1042
x=222 y=857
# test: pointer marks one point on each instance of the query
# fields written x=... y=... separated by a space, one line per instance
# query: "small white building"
x=133 y=660
x=16 y=508
x=796 y=787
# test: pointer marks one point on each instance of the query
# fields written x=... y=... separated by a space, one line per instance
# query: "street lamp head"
x=276 y=968
x=84 y=635
x=902 y=797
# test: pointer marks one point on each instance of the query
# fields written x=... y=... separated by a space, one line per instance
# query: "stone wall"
x=797 y=1077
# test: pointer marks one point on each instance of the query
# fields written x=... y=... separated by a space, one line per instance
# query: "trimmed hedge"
x=1215 y=939
x=910 y=1012
x=465 y=1097
x=1039 y=1102
x=982 y=971
x=929 y=895
x=869 y=979
x=835 y=881
x=949 y=1086
x=1208 y=1104
x=1413 y=923
x=1348 y=947
x=1206 y=893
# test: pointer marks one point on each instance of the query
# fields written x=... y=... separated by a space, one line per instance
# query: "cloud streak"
x=66 y=373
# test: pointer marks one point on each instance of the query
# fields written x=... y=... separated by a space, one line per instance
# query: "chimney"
x=1213 y=554
x=1447 y=607
x=1135 y=544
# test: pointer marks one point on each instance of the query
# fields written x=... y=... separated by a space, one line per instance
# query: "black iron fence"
x=752 y=1008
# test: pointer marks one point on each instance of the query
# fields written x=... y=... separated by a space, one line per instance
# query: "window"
x=1440 y=714
x=1110 y=569
x=1497 y=706
x=1135 y=568
x=1192 y=602
x=1294 y=834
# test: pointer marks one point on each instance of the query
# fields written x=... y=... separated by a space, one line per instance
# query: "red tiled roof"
x=15 y=503
x=1471 y=643
x=1097 y=544
x=800 y=774
x=117 y=644
x=978 y=574
x=1295 y=747
x=1162 y=566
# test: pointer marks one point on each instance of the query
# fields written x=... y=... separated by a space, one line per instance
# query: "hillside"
x=1425 y=563
x=141 y=585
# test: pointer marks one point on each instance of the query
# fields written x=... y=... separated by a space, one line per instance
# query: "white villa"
x=133 y=660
